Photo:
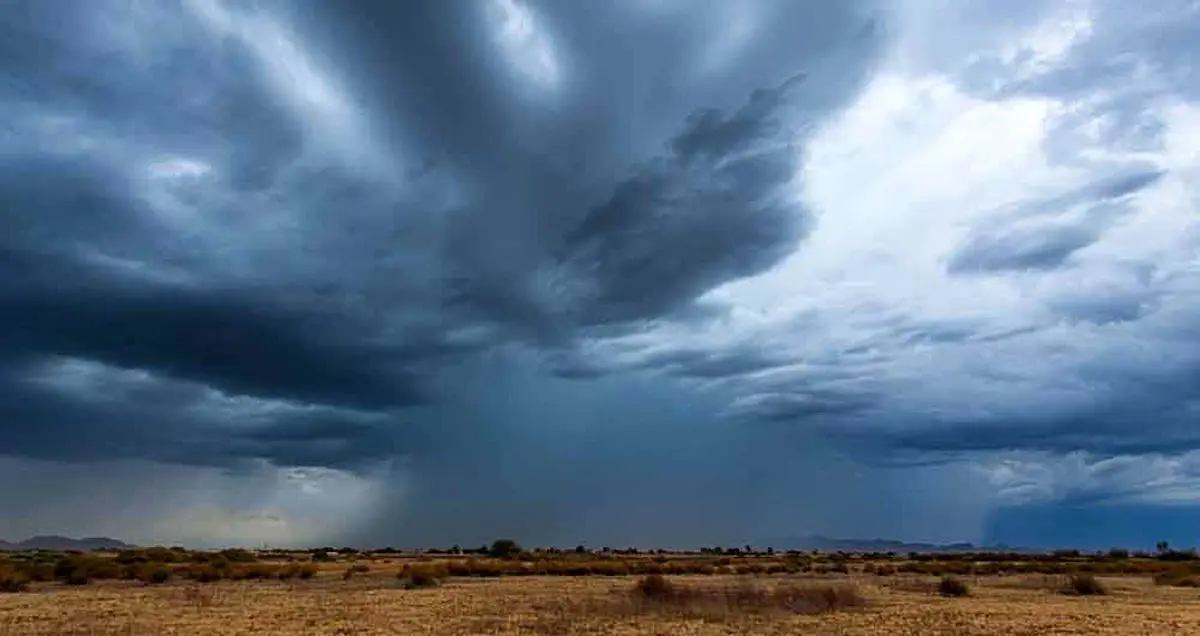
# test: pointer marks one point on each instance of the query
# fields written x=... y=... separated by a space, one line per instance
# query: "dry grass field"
x=368 y=595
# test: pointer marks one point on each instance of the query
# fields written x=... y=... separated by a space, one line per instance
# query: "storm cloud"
x=540 y=269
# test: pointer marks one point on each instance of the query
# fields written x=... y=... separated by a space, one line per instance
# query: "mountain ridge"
x=822 y=542
x=58 y=542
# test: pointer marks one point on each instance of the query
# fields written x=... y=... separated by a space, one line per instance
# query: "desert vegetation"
x=503 y=588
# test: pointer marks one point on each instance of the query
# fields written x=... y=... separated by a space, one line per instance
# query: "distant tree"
x=1163 y=546
x=579 y=549
x=504 y=549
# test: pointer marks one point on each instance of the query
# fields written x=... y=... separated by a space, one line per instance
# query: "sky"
x=642 y=272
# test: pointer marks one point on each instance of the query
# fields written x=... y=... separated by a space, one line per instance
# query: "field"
x=550 y=594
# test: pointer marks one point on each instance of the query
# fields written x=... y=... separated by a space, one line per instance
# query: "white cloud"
x=900 y=180
x=525 y=43
x=1026 y=478
x=178 y=168
x=332 y=119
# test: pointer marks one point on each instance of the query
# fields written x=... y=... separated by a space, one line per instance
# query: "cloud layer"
x=496 y=273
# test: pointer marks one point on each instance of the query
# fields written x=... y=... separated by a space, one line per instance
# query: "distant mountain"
x=819 y=542
x=54 y=542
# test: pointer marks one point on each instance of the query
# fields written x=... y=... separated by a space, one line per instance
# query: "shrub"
x=610 y=568
x=419 y=581
x=205 y=573
x=31 y=571
x=77 y=577
x=1084 y=585
x=151 y=555
x=951 y=586
x=656 y=591
x=237 y=555
x=153 y=573
x=654 y=586
x=1177 y=578
x=12 y=580
x=817 y=599
x=1178 y=555
x=302 y=571
x=419 y=578
x=422 y=575
x=80 y=567
x=252 y=572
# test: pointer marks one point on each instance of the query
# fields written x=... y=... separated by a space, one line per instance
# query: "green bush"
x=81 y=569
x=153 y=573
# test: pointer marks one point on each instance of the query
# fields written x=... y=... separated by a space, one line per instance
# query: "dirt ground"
x=375 y=603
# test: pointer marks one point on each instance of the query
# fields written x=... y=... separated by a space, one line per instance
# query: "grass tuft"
x=656 y=590
x=1084 y=585
x=954 y=587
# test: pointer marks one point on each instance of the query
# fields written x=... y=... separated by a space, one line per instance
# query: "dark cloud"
x=1032 y=244
x=498 y=260
x=713 y=211
x=798 y=406
x=1107 y=425
x=255 y=232
x=68 y=409
x=726 y=363
x=1108 y=309
x=1034 y=249
x=233 y=343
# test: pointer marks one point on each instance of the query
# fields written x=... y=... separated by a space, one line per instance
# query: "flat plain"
x=377 y=599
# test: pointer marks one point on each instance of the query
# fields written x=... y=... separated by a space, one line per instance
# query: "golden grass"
x=375 y=603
